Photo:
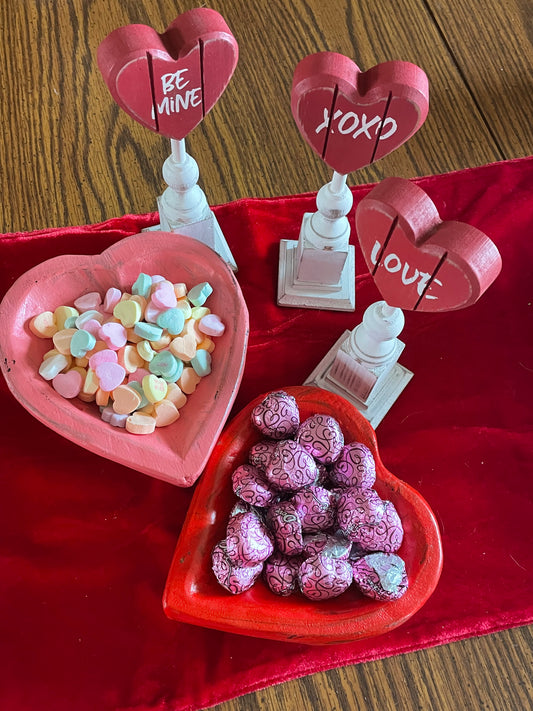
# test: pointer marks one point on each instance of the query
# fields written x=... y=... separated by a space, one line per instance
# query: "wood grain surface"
x=69 y=156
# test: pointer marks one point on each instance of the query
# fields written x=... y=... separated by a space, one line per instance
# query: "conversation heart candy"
x=110 y=375
x=68 y=384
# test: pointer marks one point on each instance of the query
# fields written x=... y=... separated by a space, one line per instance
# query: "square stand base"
x=314 y=296
x=380 y=402
x=207 y=231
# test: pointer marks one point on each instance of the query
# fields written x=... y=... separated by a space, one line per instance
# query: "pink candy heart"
x=164 y=296
x=68 y=384
x=110 y=375
x=114 y=335
x=211 y=325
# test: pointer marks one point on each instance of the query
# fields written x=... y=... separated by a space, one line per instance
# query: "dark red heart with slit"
x=352 y=118
x=169 y=82
x=419 y=262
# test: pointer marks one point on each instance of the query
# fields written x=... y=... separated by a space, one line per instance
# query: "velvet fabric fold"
x=85 y=544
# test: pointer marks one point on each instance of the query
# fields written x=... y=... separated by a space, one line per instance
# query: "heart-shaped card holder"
x=418 y=261
x=350 y=119
x=193 y=595
x=176 y=453
x=168 y=83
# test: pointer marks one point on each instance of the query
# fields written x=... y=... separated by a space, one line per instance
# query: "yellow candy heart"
x=128 y=312
x=154 y=388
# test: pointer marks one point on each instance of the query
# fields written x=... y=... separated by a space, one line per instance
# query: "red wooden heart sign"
x=418 y=261
x=352 y=118
x=169 y=82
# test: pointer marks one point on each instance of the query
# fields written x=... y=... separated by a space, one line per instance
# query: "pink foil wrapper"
x=260 y=453
x=355 y=466
x=281 y=573
x=356 y=508
x=285 y=524
x=291 y=467
x=323 y=577
x=233 y=578
x=385 y=536
x=277 y=416
x=322 y=437
x=250 y=485
x=248 y=541
x=316 y=508
x=381 y=576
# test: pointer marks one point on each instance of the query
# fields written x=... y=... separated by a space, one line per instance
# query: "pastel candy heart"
x=142 y=285
x=211 y=325
x=92 y=326
x=81 y=342
x=199 y=293
x=169 y=82
x=111 y=299
x=173 y=320
x=62 y=313
x=44 y=325
x=126 y=399
x=128 y=312
x=68 y=384
x=88 y=302
x=164 y=297
x=166 y=365
x=113 y=334
x=154 y=388
x=352 y=118
x=140 y=423
x=82 y=319
x=104 y=356
x=201 y=363
x=418 y=261
x=183 y=347
x=50 y=367
x=110 y=375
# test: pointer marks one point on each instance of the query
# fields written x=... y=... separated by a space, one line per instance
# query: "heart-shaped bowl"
x=176 y=453
x=193 y=595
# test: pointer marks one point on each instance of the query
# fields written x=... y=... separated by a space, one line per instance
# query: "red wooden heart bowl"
x=193 y=595
x=176 y=453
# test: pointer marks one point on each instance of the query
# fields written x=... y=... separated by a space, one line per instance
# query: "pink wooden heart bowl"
x=193 y=595
x=176 y=453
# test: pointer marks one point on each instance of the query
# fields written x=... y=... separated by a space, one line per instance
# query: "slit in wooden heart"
x=169 y=82
x=193 y=595
x=176 y=453
x=352 y=118
x=418 y=261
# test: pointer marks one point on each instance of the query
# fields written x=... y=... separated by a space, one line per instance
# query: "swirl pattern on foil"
x=260 y=453
x=385 y=536
x=277 y=416
x=323 y=577
x=248 y=541
x=355 y=466
x=291 y=467
x=357 y=508
x=381 y=576
x=281 y=573
x=286 y=526
x=315 y=507
x=322 y=437
x=233 y=578
x=250 y=485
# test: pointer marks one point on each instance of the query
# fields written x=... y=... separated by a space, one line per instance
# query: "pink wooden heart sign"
x=176 y=453
x=169 y=82
x=352 y=118
x=419 y=262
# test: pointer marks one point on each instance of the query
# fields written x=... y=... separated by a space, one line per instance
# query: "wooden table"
x=70 y=156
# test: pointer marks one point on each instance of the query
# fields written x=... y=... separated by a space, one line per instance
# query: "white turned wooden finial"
x=373 y=341
x=318 y=270
x=183 y=206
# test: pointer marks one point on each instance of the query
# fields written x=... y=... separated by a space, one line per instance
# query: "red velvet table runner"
x=85 y=544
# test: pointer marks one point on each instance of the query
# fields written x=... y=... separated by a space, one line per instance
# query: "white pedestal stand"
x=183 y=206
x=362 y=365
x=318 y=270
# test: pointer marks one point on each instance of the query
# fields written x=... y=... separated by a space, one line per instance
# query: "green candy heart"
x=81 y=342
x=173 y=320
